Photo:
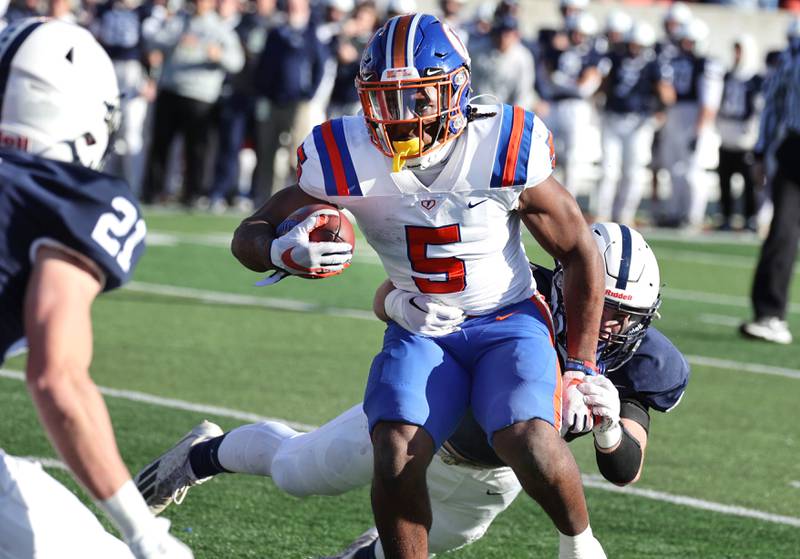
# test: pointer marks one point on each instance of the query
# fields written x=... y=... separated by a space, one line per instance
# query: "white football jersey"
x=458 y=239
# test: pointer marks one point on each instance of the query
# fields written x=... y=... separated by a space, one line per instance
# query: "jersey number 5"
x=111 y=229
x=453 y=269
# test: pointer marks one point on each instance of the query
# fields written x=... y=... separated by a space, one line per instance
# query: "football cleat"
x=362 y=547
x=770 y=329
x=167 y=478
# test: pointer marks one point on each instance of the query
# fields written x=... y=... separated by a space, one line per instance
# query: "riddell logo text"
x=10 y=141
x=618 y=295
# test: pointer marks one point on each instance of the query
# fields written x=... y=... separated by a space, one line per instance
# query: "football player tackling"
x=67 y=234
x=469 y=485
x=440 y=189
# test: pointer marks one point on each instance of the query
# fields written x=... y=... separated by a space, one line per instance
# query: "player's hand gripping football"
x=158 y=543
x=600 y=394
x=297 y=255
x=576 y=416
x=422 y=315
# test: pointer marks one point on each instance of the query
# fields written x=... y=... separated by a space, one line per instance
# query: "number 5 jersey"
x=457 y=239
x=91 y=215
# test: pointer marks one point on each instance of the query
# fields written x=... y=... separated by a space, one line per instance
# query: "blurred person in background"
x=350 y=43
x=480 y=28
x=737 y=122
x=503 y=67
x=198 y=50
x=779 y=133
x=399 y=8
x=634 y=88
x=336 y=16
x=574 y=77
x=689 y=125
x=236 y=107
x=287 y=76
x=21 y=9
x=118 y=28
x=62 y=10
x=617 y=26
x=452 y=13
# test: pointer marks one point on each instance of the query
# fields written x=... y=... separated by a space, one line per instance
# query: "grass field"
x=721 y=478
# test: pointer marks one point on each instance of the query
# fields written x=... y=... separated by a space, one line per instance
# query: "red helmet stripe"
x=510 y=167
x=400 y=39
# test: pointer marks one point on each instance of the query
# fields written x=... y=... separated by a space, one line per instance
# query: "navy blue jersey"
x=656 y=377
x=45 y=201
x=632 y=82
x=739 y=96
x=687 y=71
x=119 y=30
x=566 y=68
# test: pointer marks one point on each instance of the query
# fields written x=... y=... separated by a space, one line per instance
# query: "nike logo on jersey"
x=504 y=316
x=473 y=204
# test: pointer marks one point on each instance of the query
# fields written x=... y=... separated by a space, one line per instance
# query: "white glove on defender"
x=158 y=543
x=296 y=254
x=601 y=394
x=576 y=417
x=420 y=314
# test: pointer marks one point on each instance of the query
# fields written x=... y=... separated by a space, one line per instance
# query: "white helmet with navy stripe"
x=632 y=287
x=58 y=92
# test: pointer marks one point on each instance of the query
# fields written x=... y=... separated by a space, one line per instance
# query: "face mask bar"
x=615 y=349
x=427 y=104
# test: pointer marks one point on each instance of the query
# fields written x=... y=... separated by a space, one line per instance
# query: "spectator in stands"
x=503 y=67
x=349 y=45
x=20 y=9
x=118 y=28
x=236 y=108
x=634 y=88
x=574 y=76
x=779 y=133
x=287 y=76
x=737 y=123
x=198 y=50
x=689 y=124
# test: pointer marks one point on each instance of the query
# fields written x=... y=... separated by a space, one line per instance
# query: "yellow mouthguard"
x=402 y=149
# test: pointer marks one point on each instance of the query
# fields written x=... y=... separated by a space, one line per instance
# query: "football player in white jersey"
x=440 y=189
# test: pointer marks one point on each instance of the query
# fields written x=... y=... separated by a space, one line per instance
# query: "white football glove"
x=422 y=315
x=576 y=417
x=158 y=543
x=602 y=396
x=296 y=254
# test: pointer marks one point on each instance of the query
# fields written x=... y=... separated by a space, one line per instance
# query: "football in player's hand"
x=330 y=228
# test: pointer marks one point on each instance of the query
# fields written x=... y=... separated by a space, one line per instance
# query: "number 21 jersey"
x=44 y=202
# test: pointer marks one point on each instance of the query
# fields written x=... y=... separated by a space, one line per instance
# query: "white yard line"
x=598 y=482
x=593 y=481
x=720 y=320
x=741 y=367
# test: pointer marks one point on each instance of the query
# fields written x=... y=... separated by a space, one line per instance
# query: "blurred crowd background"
x=655 y=116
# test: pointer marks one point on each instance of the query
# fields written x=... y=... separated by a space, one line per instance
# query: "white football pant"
x=568 y=121
x=42 y=519
x=627 y=148
x=337 y=458
x=689 y=187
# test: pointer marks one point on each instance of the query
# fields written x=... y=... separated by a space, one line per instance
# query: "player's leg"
x=415 y=396
x=635 y=160
x=612 y=158
x=516 y=396
x=725 y=170
x=40 y=518
x=333 y=459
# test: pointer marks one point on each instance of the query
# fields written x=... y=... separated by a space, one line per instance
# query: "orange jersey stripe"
x=336 y=160
x=552 y=149
x=399 y=47
x=510 y=167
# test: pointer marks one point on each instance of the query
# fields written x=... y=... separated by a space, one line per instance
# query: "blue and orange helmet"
x=415 y=71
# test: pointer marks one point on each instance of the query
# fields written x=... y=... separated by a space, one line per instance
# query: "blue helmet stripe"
x=325 y=162
x=347 y=162
x=502 y=146
x=521 y=172
x=625 y=264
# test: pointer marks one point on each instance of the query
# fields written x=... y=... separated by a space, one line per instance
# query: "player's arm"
x=416 y=312
x=58 y=328
x=553 y=217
